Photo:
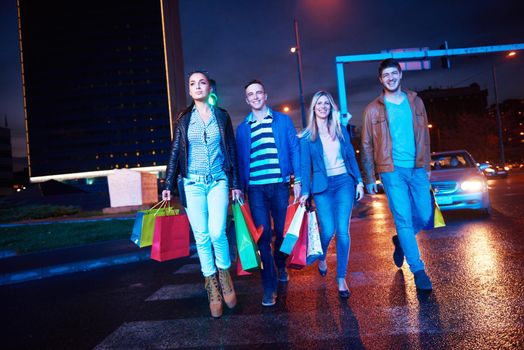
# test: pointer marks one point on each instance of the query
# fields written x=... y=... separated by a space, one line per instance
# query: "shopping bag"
x=240 y=269
x=254 y=231
x=290 y=212
x=148 y=221
x=137 y=228
x=292 y=232
x=314 y=245
x=297 y=258
x=170 y=237
x=436 y=220
x=247 y=248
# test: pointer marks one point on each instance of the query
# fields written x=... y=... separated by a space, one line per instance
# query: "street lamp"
x=502 y=158
x=296 y=49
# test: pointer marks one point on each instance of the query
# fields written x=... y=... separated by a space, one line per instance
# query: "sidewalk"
x=22 y=268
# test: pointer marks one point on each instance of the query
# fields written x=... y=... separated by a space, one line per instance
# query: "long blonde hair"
x=333 y=122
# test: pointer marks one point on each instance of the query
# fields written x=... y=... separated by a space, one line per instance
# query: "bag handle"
x=161 y=205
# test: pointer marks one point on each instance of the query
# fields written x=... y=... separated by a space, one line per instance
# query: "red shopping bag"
x=170 y=237
x=297 y=258
x=291 y=209
x=292 y=231
x=254 y=231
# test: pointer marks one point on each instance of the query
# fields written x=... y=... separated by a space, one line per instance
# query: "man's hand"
x=166 y=195
x=360 y=191
x=297 y=190
x=236 y=194
x=372 y=188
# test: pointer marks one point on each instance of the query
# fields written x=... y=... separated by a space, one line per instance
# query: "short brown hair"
x=388 y=63
x=254 y=81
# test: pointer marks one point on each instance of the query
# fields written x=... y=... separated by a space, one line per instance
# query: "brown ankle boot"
x=228 y=291
x=215 y=298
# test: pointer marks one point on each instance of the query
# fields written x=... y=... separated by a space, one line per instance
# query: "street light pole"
x=299 y=66
x=499 y=120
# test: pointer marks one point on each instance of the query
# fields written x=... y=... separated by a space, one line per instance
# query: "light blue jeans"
x=334 y=207
x=207 y=202
x=407 y=190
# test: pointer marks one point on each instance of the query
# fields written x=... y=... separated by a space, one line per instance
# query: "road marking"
x=293 y=328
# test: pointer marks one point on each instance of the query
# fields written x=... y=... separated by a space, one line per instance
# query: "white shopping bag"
x=314 y=248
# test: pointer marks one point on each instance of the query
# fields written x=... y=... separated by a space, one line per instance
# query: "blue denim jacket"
x=287 y=143
x=312 y=162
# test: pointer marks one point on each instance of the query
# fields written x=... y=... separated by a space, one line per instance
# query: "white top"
x=332 y=155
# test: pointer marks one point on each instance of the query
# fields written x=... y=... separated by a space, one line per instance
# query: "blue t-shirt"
x=402 y=134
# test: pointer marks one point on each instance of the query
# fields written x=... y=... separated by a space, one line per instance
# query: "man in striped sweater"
x=268 y=154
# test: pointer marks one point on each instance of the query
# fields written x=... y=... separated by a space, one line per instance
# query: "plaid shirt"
x=205 y=151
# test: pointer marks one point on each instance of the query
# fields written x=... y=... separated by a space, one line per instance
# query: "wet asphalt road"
x=475 y=263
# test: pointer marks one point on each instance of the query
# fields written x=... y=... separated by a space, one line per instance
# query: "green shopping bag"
x=148 y=221
x=247 y=248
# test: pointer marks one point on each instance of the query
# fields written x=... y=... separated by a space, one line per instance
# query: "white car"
x=458 y=182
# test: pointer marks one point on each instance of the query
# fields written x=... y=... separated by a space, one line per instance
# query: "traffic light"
x=445 y=62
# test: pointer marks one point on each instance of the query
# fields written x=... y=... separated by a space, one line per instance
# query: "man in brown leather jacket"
x=395 y=144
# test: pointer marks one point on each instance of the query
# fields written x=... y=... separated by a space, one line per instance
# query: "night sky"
x=237 y=41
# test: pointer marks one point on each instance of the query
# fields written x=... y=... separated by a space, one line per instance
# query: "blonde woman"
x=331 y=175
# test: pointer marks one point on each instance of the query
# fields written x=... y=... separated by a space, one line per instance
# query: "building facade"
x=101 y=81
x=6 y=162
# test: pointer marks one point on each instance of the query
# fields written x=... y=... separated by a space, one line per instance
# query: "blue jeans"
x=334 y=207
x=407 y=190
x=266 y=202
x=207 y=202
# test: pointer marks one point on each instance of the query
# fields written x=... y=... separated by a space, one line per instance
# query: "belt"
x=204 y=178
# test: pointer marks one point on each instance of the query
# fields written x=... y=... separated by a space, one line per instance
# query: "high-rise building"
x=101 y=81
x=6 y=161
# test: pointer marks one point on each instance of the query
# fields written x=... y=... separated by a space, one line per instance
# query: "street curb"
x=79 y=266
x=87 y=265
x=72 y=221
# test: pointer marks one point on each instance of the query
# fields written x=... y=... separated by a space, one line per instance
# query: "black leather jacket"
x=178 y=157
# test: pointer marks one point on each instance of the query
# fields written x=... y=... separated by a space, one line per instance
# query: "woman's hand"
x=236 y=194
x=297 y=189
x=359 y=193
x=303 y=199
x=166 y=195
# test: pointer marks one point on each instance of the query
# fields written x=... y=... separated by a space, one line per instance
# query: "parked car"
x=458 y=182
x=493 y=171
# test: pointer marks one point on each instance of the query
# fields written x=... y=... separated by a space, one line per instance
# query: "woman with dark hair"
x=330 y=173
x=203 y=160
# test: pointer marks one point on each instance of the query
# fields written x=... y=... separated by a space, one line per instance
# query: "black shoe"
x=398 y=254
x=422 y=280
x=282 y=275
x=269 y=299
x=344 y=294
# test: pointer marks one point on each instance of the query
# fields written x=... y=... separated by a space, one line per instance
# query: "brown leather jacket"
x=377 y=147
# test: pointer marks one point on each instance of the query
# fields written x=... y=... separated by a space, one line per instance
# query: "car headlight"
x=472 y=185
x=489 y=170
